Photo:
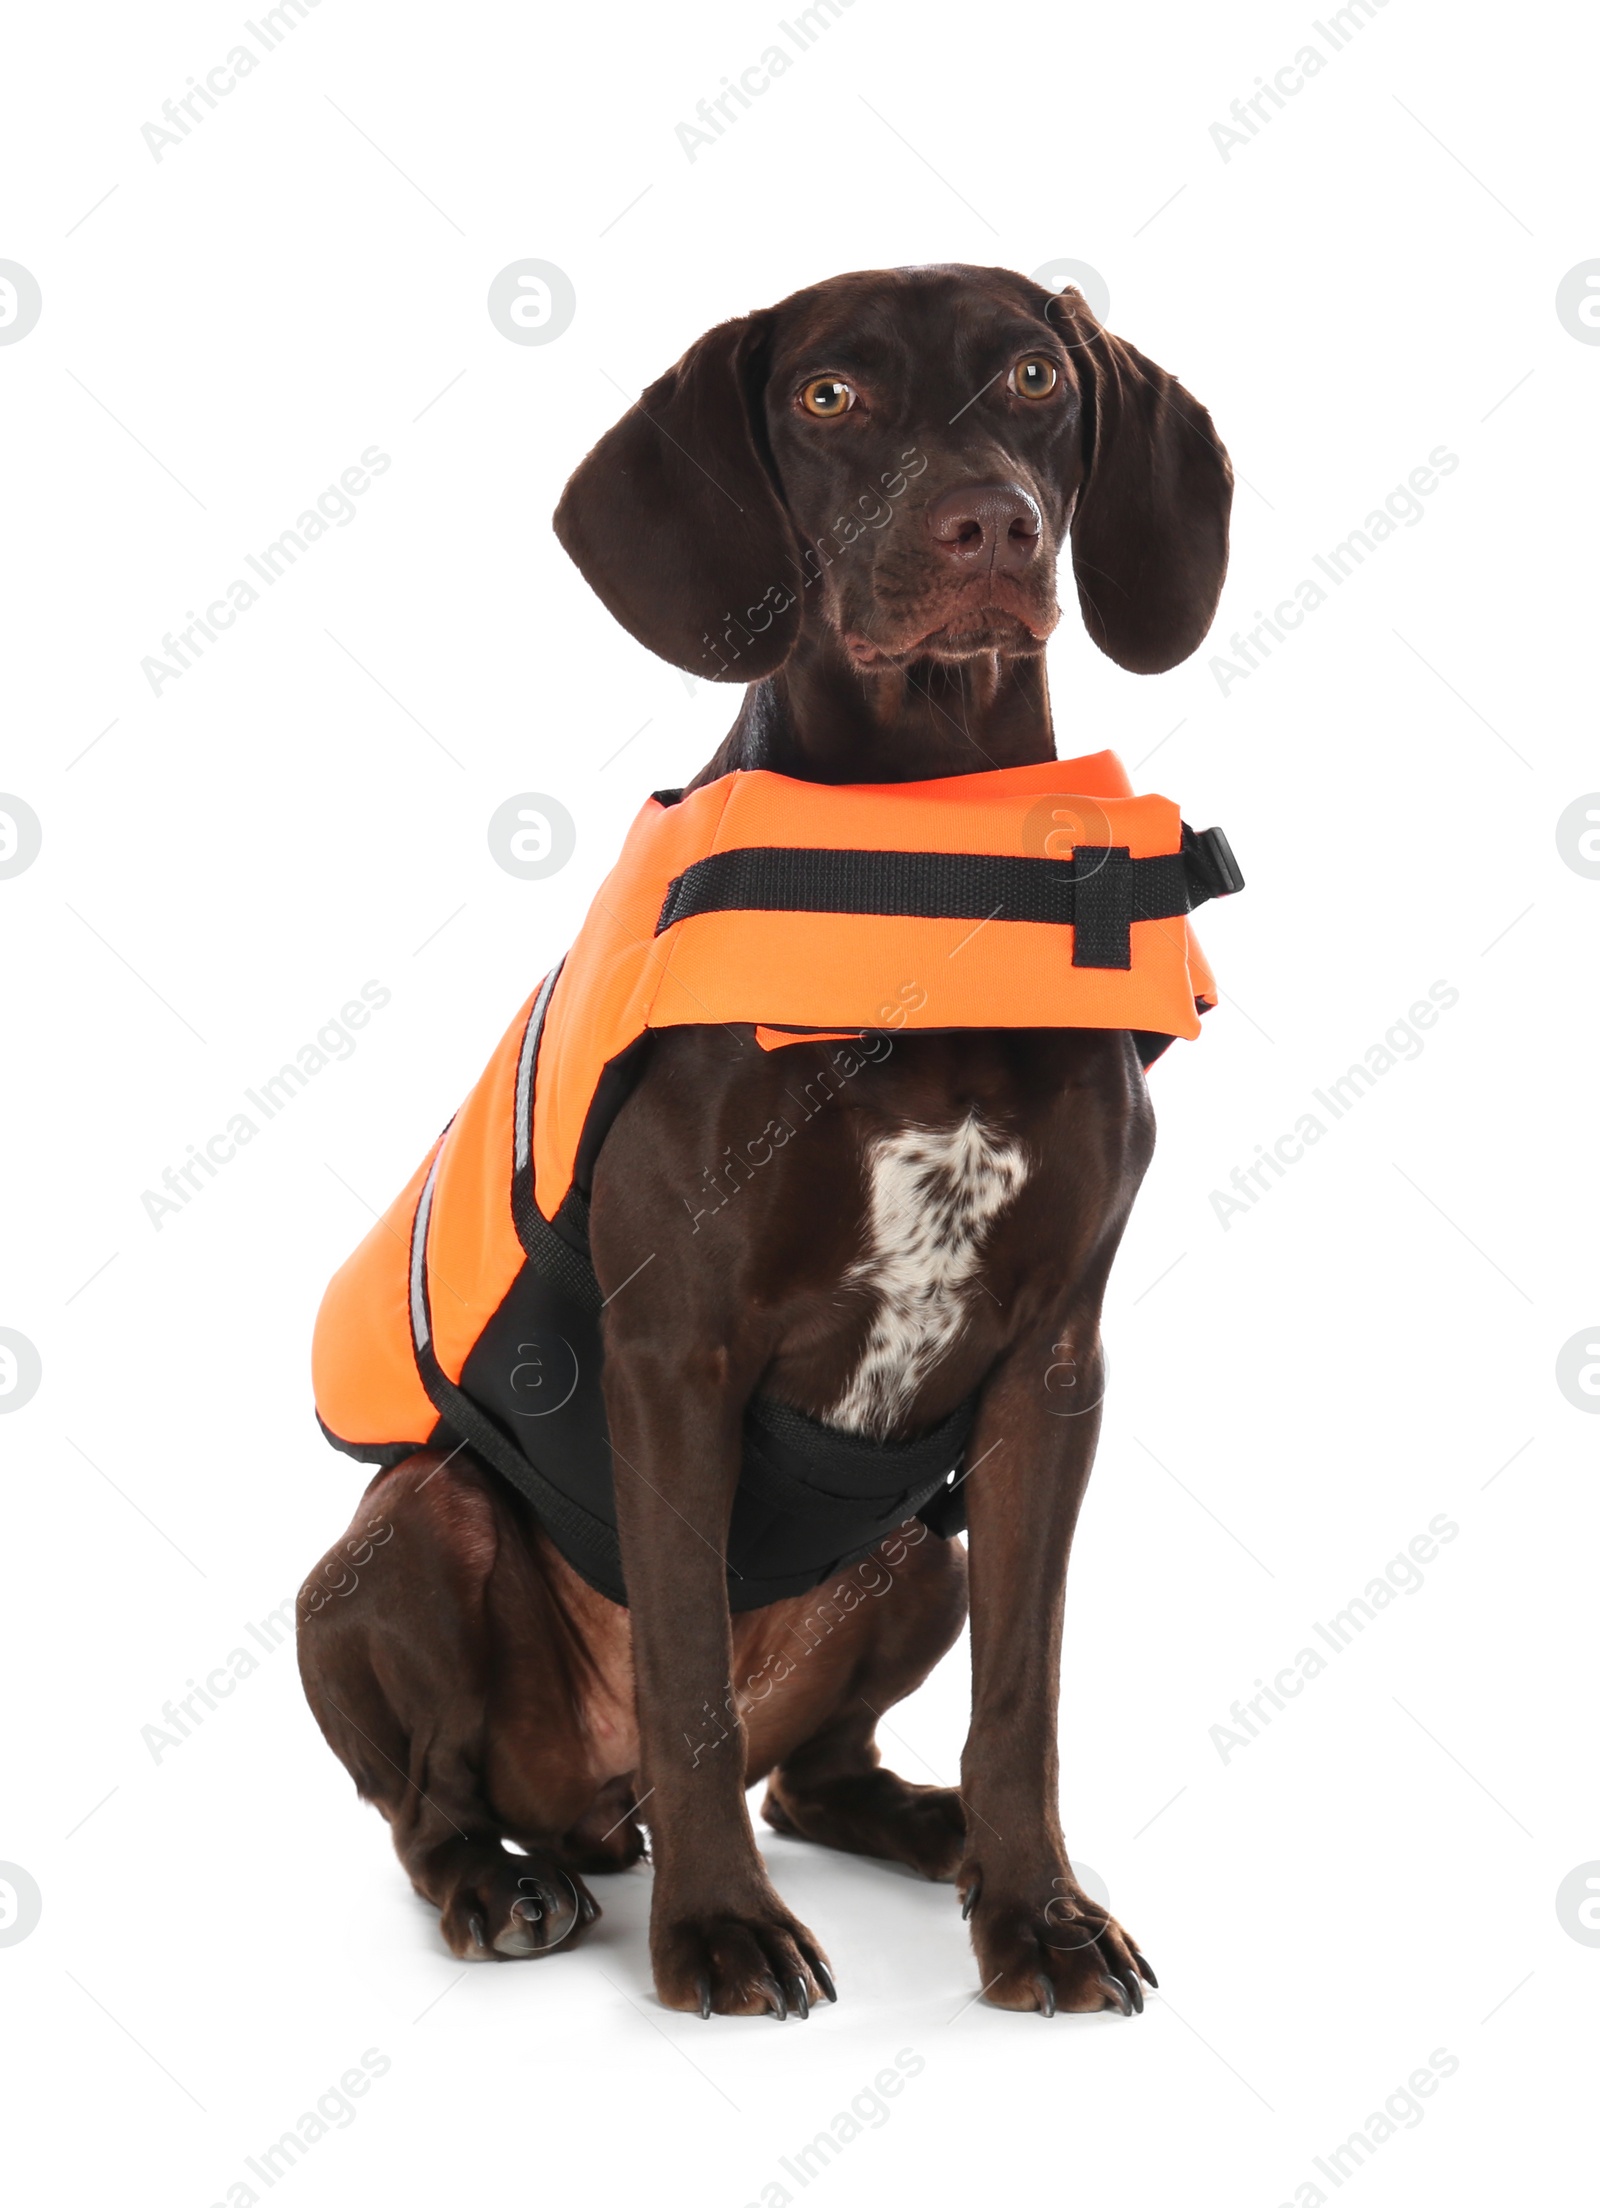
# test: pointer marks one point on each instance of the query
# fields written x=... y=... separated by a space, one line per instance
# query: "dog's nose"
x=994 y=525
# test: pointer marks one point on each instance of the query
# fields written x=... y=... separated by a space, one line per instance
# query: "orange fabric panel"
x=602 y=1000
x=776 y=1038
x=473 y=1250
x=1205 y=987
x=918 y=973
x=1001 y=811
x=846 y=971
x=363 y=1373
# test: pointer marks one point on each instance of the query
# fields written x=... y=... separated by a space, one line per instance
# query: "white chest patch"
x=931 y=1195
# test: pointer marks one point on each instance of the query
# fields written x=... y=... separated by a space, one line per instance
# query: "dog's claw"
x=1122 y=1979
x=820 y=1972
x=1145 y=1972
x=475 y=1927
x=974 y=1895
x=528 y=1910
x=1047 y=1994
x=775 y=2001
x=798 y=1995
x=703 y=1988
x=1119 y=1993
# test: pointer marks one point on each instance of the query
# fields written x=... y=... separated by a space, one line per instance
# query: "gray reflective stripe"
x=420 y=1330
x=522 y=1131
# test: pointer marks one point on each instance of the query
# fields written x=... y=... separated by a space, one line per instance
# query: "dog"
x=853 y=503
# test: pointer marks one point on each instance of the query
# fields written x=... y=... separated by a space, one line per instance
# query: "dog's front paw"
x=508 y=1907
x=750 y=1958
x=1044 y=1945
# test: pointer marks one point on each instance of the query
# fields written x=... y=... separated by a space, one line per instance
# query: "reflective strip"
x=522 y=1128
x=420 y=1324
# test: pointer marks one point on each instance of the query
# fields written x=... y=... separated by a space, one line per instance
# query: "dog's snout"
x=989 y=525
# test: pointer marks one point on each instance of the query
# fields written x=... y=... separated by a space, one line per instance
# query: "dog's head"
x=900 y=456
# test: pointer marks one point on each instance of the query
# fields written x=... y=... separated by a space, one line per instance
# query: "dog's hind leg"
x=831 y=1787
x=436 y=1662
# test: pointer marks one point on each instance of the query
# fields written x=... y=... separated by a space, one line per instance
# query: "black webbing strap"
x=591 y=1537
x=579 y=1531
x=815 y=1472
x=1102 y=906
x=545 y=1249
x=1098 y=892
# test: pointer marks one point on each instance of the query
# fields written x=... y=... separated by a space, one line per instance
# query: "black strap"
x=578 y=1529
x=578 y=1532
x=1102 y=907
x=1099 y=891
x=817 y=1472
x=545 y=1249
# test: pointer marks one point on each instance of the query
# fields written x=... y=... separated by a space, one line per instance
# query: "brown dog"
x=854 y=503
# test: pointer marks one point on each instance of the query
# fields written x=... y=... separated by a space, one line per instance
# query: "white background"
x=1293 y=1398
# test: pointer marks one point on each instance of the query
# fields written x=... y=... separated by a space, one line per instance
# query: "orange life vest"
x=1042 y=896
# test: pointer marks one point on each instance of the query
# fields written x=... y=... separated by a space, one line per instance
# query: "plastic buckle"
x=1210 y=864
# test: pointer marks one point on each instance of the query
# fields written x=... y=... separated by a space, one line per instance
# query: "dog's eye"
x=827 y=397
x=1035 y=377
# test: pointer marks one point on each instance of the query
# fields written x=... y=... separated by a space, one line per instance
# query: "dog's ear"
x=675 y=521
x=1150 y=531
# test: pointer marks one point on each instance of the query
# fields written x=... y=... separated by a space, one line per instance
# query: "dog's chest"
x=933 y=1194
